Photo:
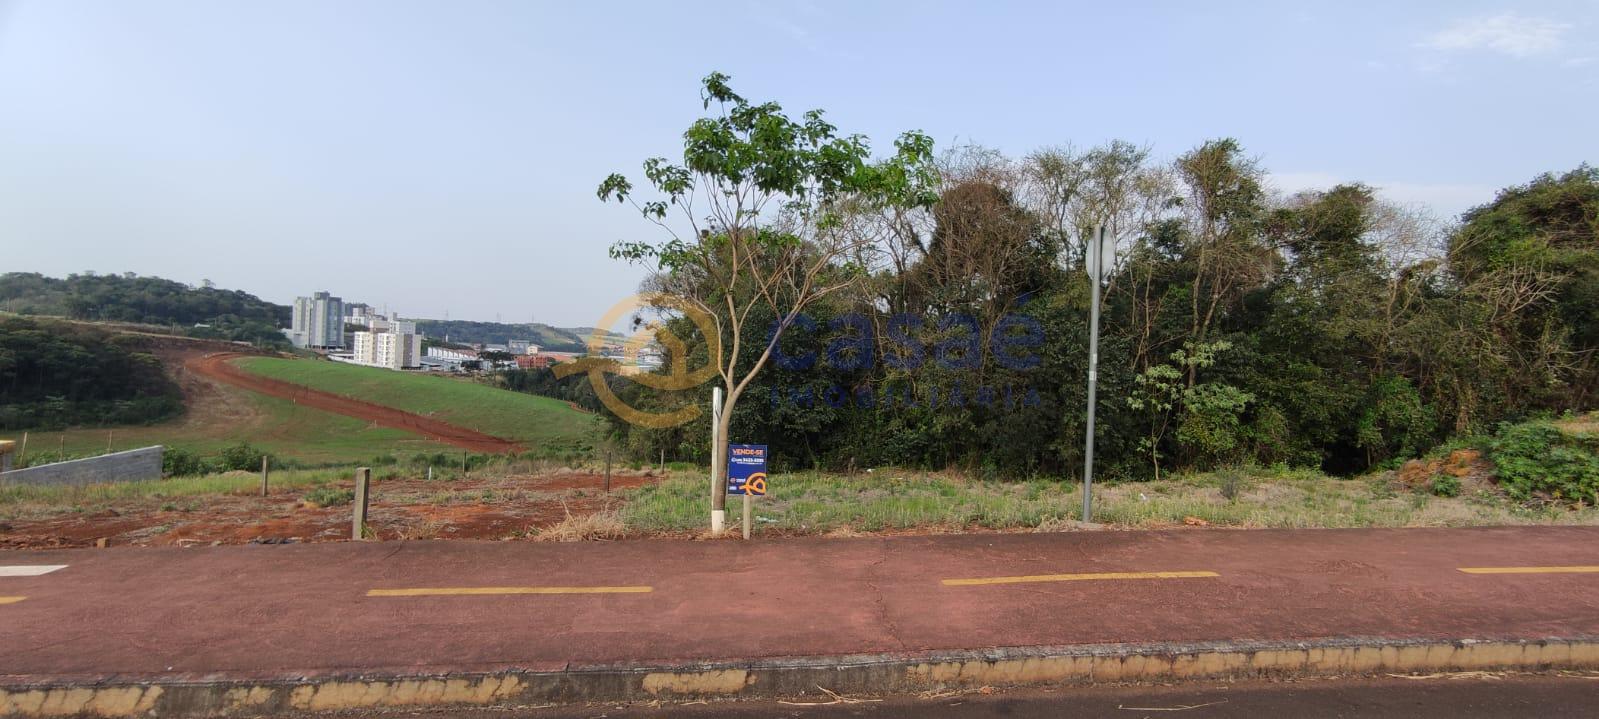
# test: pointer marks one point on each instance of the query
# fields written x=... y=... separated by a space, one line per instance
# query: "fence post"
x=363 y=485
x=265 y=472
x=607 y=471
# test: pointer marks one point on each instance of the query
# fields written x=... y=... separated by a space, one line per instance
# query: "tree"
x=762 y=198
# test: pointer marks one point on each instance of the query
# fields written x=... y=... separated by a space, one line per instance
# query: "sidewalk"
x=275 y=627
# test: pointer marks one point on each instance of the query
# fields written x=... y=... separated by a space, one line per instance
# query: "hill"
x=217 y=416
x=543 y=424
x=553 y=339
x=55 y=374
x=205 y=311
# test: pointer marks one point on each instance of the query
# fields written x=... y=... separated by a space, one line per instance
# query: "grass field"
x=276 y=426
x=890 y=501
x=541 y=423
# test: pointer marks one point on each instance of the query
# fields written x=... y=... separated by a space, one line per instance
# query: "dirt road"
x=216 y=366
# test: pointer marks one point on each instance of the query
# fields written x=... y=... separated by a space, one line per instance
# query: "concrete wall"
x=131 y=466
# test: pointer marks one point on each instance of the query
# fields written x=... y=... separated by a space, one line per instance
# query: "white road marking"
x=28 y=570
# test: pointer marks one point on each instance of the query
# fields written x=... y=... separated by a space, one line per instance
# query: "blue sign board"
x=746 y=469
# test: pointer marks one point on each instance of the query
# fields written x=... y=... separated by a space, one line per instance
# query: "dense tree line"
x=56 y=374
x=542 y=381
x=1328 y=328
x=204 y=311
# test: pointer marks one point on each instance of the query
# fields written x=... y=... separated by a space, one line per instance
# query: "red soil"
x=401 y=508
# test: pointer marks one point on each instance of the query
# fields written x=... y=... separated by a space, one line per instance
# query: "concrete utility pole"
x=1101 y=252
x=718 y=514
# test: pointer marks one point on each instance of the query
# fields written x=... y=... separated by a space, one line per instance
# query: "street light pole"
x=1096 y=271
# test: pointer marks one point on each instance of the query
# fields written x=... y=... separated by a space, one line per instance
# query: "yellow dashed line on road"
x=11 y=600
x=478 y=591
x=1531 y=570
x=1075 y=577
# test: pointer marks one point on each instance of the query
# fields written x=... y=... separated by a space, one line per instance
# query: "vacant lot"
x=523 y=498
x=306 y=506
x=541 y=423
x=894 y=501
x=217 y=415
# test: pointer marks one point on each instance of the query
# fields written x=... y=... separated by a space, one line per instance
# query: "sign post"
x=718 y=515
x=746 y=475
x=1101 y=253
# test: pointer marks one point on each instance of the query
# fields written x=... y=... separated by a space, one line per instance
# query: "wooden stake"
x=748 y=500
x=264 y=474
x=607 y=471
x=23 y=453
x=363 y=484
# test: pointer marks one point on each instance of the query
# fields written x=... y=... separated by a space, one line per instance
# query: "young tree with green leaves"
x=753 y=220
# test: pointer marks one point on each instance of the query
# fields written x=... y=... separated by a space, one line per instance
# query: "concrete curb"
x=22 y=696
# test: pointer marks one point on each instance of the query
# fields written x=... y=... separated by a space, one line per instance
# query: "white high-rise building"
x=388 y=348
x=318 y=321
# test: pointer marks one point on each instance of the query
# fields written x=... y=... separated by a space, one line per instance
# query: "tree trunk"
x=719 y=453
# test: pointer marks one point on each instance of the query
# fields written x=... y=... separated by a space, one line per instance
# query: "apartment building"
x=317 y=322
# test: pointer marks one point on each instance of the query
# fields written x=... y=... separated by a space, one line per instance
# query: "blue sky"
x=442 y=156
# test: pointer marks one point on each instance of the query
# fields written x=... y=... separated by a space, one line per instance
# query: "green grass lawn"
x=541 y=423
x=276 y=426
x=890 y=500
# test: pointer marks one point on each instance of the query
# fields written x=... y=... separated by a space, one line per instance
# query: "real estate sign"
x=746 y=469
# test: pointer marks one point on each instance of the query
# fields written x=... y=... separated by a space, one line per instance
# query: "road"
x=1456 y=697
x=414 y=607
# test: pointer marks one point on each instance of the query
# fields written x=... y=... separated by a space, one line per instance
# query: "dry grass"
x=601 y=525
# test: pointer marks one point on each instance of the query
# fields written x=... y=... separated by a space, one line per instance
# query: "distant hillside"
x=542 y=423
x=227 y=314
x=54 y=374
x=554 y=339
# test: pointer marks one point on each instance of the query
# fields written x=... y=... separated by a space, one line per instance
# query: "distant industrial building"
x=318 y=322
x=522 y=347
x=444 y=359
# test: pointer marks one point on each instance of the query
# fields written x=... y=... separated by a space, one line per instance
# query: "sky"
x=441 y=158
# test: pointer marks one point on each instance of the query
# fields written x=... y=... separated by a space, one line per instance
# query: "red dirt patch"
x=1461 y=463
x=401 y=508
x=216 y=366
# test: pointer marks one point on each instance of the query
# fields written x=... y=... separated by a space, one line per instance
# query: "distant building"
x=388 y=348
x=318 y=322
x=383 y=342
x=444 y=359
x=522 y=347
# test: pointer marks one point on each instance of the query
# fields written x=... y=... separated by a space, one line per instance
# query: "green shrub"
x=1446 y=485
x=329 y=496
x=1536 y=458
x=242 y=456
x=180 y=463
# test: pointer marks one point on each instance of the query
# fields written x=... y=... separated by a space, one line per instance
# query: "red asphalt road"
x=272 y=611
